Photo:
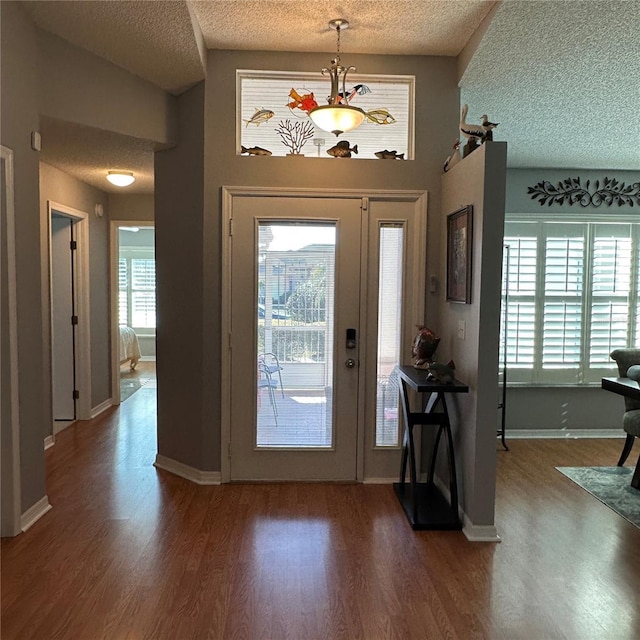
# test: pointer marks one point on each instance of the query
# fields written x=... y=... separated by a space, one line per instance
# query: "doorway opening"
x=134 y=308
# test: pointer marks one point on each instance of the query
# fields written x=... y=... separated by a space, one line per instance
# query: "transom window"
x=572 y=296
x=266 y=117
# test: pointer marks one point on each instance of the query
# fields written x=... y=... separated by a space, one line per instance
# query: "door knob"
x=350 y=363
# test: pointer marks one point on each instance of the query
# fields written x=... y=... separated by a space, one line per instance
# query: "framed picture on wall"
x=459 y=246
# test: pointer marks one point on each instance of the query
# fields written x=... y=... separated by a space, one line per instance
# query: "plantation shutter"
x=562 y=306
x=573 y=297
x=611 y=287
x=521 y=274
x=123 y=291
x=636 y=342
x=143 y=284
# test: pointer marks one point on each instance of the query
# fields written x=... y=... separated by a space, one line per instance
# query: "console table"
x=631 y=389
x=423 y=502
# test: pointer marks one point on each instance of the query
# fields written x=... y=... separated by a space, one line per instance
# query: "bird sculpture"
x=481 y=132
x=488 y=127
x=454 y=158
x=469 y=130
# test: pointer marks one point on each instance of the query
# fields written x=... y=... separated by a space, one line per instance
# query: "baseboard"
x=49 y=441
x=103 y=406
x=479 y=533
x=187 y=472
x=34 y=513
x=473 y=533
x=61 y=425
x=520 y=434
x=380 y=480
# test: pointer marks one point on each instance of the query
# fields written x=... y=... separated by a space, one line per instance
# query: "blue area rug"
x=128 y=386
x=611 y=485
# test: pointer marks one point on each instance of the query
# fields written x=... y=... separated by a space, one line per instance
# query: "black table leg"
x=635 y=481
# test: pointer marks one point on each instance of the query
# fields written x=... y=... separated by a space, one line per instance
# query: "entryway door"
x=323 y=304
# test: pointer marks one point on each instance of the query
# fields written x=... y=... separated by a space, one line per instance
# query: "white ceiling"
x=561 y=77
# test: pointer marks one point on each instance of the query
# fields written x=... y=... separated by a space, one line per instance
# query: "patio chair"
x=265 y=380
x=626 y=358
x=270 y=361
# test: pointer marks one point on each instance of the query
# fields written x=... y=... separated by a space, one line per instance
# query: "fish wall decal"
x=342 y=150
x=260 y=116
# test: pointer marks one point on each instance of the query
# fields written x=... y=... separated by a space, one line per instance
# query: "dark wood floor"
x=131 y=552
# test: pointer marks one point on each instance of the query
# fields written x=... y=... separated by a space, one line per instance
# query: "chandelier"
x=338 y=116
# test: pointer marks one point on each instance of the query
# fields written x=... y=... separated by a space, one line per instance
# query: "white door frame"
x=114 y=252
x=11 y=488
x=83 y=328
x=228 y=194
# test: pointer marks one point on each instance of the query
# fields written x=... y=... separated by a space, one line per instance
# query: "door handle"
x=351 y=339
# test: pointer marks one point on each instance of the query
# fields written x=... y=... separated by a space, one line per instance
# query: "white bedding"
x=129 y=346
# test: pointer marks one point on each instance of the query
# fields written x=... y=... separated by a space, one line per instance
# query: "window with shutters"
x=137 y=292
x=266 y=105
x=570 y=296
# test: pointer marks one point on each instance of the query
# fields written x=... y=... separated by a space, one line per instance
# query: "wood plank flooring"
x=132 y=552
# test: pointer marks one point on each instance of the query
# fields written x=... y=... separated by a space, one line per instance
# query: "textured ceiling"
x=415 y=27
x=151 y=39
x=561 y=77
x=563 y=80
x=87 y=154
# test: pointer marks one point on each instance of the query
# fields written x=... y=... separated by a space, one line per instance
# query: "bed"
x=129 y=347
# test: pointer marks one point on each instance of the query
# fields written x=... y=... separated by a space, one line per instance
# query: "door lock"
x=351 y=339
x=350 y=363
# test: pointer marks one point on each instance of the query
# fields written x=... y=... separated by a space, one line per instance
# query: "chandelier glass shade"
x=120 y=178
x=338 y=116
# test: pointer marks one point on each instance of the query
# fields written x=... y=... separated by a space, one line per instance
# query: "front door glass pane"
x=295 y=313
x=391 y=239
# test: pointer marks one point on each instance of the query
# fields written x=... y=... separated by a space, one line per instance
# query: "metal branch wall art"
x=572 y=192
x=295 y=135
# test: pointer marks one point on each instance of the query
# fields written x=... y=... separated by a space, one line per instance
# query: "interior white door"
x=62 y=311
x=295 y=338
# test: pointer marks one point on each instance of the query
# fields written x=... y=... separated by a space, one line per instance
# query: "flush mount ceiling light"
x=120 y=178
x=338 y=116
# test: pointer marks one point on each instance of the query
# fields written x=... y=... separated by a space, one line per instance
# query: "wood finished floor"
x=132 y=552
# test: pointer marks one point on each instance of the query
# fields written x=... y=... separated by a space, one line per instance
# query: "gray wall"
x=478 y=180
x=118 y=101
x=19 y=118
x=188 y=214
x=180 y=295
x=569 y=408
x=137 y=206
x=9 y=446
x=42 y=75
